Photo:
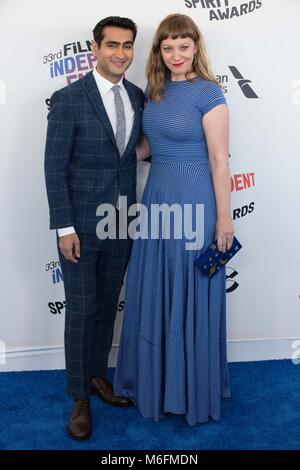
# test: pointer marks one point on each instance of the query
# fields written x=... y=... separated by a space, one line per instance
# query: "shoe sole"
x=76 y=438
x=109 y=402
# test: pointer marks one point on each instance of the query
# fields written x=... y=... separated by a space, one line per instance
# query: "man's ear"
x=95 y=48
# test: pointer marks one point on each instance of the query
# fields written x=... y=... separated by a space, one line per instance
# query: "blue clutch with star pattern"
x=212 y=260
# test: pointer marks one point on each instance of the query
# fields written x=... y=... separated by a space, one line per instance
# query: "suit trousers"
x=92 y=288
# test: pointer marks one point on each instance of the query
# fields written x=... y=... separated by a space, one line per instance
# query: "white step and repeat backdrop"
x=254 y=50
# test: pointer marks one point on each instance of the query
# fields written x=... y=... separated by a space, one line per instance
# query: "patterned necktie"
x=121 y=122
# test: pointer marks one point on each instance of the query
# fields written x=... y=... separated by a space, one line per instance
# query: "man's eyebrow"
x=118 y=43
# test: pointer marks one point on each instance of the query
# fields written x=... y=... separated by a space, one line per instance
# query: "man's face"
x=115 y=53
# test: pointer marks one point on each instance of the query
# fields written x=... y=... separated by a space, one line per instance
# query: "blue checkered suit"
x=83 y=169
x=82 y=163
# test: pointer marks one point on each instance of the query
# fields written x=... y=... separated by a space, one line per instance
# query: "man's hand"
x=69 y=245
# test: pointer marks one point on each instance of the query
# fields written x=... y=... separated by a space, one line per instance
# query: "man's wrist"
x=61 y=232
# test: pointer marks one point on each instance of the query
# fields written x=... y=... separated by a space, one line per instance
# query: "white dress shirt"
x=107 y=95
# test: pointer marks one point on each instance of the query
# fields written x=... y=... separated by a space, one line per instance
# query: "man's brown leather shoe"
x=104 y=390
x=79 y=425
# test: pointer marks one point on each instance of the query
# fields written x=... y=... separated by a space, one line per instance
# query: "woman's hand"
x=224 y=233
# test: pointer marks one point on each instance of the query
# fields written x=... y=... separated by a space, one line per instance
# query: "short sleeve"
x=210 y=97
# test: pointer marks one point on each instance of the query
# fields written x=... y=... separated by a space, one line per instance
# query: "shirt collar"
x=105 y=85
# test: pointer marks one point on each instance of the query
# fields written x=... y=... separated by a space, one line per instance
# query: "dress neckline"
x=178 y=82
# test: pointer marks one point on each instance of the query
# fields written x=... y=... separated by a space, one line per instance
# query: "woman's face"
x=178 y=55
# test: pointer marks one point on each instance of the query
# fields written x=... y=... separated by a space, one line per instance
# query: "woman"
x=172 y=355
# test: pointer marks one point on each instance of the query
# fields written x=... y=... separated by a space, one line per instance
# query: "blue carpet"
x=263 y=413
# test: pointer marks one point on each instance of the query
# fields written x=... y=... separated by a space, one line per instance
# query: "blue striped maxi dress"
x=172 y=353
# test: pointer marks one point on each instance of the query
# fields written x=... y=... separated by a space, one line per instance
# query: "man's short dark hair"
x=115 y=21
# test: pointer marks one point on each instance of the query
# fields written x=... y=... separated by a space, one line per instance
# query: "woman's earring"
x=195 y=61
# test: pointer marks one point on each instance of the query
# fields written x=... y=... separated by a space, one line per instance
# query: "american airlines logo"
x=231 y=283
x=244 y=83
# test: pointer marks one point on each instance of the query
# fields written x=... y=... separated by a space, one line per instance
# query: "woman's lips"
x=178 y=65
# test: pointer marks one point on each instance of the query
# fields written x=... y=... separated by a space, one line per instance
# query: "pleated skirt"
x=172 y=353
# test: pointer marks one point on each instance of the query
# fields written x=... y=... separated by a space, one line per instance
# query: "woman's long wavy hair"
x=175 y=26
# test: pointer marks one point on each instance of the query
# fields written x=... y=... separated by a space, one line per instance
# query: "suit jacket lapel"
x=137 y=111
x=96 y=101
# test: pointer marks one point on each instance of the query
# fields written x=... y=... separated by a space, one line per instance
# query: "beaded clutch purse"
x=212 y=260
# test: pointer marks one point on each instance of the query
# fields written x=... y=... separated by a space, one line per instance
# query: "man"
x=90 y=159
